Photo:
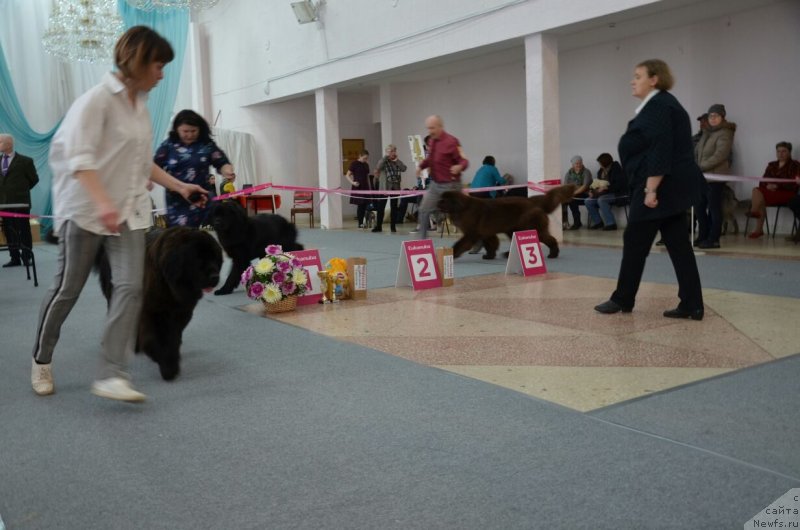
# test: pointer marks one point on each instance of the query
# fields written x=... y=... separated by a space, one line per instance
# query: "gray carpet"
x=271 y=426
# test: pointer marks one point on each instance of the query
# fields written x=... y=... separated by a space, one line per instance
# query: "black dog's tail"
x=556 y=197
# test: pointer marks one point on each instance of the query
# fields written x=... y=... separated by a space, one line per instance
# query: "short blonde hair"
x=391 y=147
x=660 y=69
x=139 y=47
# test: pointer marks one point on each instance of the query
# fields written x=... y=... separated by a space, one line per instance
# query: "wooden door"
x=351 y=149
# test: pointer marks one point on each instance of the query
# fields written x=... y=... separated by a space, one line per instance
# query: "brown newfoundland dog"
x=245 y=238
x=483 y=219
x=180 y=264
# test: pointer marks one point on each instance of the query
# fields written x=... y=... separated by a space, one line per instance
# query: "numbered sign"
x=418 y=266
x=313 y=264
x=526 y=256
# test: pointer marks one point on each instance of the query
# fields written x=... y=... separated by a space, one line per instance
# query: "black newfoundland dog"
x=245 y=238
x=483 y=219
x=180 y=264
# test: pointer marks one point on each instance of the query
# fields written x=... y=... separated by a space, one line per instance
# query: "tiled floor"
x=541 y=337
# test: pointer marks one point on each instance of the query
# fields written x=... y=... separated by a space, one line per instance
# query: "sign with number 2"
x=418 y=266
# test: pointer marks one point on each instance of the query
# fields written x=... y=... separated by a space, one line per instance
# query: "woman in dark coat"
x=359 y=176
x=658 y=158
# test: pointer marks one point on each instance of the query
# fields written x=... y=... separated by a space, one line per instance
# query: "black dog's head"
x=453 y=202
x=189 y=261
x=228 y=217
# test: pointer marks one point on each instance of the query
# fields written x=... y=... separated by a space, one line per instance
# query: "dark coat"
x=617 y=182
x=16 y=186
x=659 y=142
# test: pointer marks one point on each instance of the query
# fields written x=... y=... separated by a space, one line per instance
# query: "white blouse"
x=103 y=131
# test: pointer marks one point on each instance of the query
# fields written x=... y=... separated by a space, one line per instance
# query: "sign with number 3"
x=525 y=256
x=418 y=266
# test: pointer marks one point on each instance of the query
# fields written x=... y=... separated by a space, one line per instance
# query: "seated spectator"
x=773 y=193
x=579 y=175
x=604 y=190
x=486 y=177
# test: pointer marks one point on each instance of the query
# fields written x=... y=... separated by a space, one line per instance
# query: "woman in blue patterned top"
x=187 y=155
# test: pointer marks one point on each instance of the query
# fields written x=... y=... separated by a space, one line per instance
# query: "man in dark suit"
x=17 y=177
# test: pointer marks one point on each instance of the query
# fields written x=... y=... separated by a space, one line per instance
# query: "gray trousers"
x=77 y=249
x=430 y=203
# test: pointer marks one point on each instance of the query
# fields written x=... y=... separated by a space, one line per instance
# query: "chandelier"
x=83 y=30
x=163 y=5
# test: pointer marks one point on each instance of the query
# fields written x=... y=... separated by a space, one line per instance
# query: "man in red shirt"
x=446 y=162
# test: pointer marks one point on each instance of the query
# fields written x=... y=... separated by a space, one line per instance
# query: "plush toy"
x=337 y=267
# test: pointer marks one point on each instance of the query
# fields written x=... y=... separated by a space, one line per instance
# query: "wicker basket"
x=287 y=304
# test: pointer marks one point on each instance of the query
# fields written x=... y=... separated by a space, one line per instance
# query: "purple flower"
x=247 y=275
x=256 y=290
x=274 y=250
x=284 y=266
x=278 y=277
x=287 y=288
x=295 y=263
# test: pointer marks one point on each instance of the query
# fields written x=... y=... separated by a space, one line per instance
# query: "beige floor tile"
x=769 y=321
x=582 y=388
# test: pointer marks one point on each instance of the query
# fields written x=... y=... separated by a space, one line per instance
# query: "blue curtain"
x=173 y=26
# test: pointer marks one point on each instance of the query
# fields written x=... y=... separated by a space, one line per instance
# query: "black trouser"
x=638 y=239
x=403 y=208
x=709 y=213
x=380 y=204
x=17 y=231
x=361 y=210
x=574 y=206
x=794 y=205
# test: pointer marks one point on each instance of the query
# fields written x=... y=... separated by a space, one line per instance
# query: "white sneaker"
x=41 y=378
x=117 y=388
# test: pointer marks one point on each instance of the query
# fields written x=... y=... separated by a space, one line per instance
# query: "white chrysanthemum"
x=264 y=266
x=272 y=293
x=299 y=276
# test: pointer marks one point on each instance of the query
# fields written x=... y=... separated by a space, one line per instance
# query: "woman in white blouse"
x=101 y=157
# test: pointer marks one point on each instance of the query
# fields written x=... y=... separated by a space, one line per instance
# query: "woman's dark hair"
x=605 y=159
x=193 y=119
x=488 y=160
x=787 y=145
x=363 y=152
x=139 y=47
x=659 y=68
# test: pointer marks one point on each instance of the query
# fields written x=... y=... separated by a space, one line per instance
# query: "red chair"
x=264 y=202
x=303 y=203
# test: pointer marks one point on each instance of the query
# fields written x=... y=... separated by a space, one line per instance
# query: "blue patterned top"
x=188 y=163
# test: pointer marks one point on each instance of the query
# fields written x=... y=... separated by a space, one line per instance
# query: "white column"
x=329 y=153
x=385 y=102
x=541 y=91
x=201 y=101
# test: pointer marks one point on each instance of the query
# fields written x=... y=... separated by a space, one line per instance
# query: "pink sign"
x=418 y=266
x=313 y=264
x=526 y=254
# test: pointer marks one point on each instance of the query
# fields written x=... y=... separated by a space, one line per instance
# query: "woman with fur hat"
x=713 y=155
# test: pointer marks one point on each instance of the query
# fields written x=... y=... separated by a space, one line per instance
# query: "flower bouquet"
x=276 y=280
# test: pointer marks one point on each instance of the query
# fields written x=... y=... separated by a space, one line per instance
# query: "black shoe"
x=708 y=244
x=598 y=226
x=13 y=263
x=609 y=227
x=660 y=243
x=694 y=314
x=377 y=229
x=611 y=307
x=394 y=229
x=575 y=227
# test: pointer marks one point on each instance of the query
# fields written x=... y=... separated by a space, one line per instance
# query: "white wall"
x=748 y=61
x=485 y=110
